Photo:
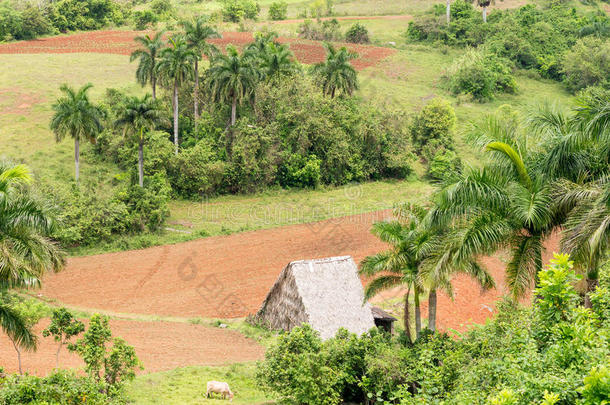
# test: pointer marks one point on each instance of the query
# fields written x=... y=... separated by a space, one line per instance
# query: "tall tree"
x=140 y=115
x=336 y=72
x=77 y=117
x=586 y=235
x=232 y=79
x=507 y=202
x=26 y=252
x=148 y=55
x=197 y=33
x=484 y=4
x=175 y=68
x=276 y=61
x=421 y=257
x=448 y=12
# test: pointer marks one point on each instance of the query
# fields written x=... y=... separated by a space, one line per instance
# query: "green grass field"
x=187 y=386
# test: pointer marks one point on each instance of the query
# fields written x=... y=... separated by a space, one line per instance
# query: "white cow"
x=221 y=388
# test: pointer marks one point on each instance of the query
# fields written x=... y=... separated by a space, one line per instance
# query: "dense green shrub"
x=278 y=10
x=88 y=217
x=480 y=74
x=445 y=164
x=163 y=8
x=357 y=34
x=529 y=37
x=237 y=10
x=69 y=15
x=326 y=30
x=587 y=64
x=144 y=19
x=59 y=387
x=197 y=171
x=299 y=171
x=432 y=128
x=27 y=23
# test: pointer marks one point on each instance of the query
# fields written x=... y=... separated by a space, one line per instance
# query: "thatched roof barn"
x=326 y=293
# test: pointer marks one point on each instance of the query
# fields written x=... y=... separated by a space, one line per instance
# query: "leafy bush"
x=87 y=217
x=144 y=19
x=445 y=165
x=162 y=7
x=326 y=30
x=587 y=64
x=27 y=23
x=299 y=171
x=197 y=171
x=108 y=365
x=237 y=10
x=480 y=75
x=432 y=128
x=357 y=34
x=278 y=10
x=71 y=15
x=59 y=387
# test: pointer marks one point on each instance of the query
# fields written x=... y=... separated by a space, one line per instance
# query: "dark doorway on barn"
x=383 y=320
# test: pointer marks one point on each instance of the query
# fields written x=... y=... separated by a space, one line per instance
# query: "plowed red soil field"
x=229 y=276
x=121 y=42
x=159 y=345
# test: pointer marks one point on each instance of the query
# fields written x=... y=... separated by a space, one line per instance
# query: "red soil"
x=121 y=43
x=229 y=276
x=159 y=345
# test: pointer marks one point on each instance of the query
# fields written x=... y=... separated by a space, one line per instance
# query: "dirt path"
x=229 y=276
x=159 y=345
x=122 y=43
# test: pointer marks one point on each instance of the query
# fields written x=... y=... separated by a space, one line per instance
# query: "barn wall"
x=283 y=308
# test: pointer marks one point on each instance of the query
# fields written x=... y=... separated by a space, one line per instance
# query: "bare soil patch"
x=229 y=276
x=160 y=346
x=121 y=43
x=14 y=100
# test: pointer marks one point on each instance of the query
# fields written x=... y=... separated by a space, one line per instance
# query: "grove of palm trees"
x=458 y=152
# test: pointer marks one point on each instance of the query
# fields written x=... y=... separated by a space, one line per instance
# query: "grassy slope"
x=188 y=385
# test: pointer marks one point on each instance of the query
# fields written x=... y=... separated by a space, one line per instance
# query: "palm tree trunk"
x=448 y=11
x=196 y=93
x=417 y=313
x=176 y=116
x=485 y=14
x=407 y=315
x=76 y=159
x=141 y=163
x=153 y=82
x=592 y=284
x=57 y=354
x=18 y=356
x=432 y=310
x=234 y=110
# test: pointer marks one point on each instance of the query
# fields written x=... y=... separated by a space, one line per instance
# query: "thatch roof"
x=326 y=293
x=379 y=313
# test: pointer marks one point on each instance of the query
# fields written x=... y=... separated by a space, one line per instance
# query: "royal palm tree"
x=26 y=252
x=176 y=67
x=336 y=72
x=197 y=33
x=148 y=56
x=398 y=266
x=506 y=203
x=139 y=116
x=77 y=117
x=276 y=61
x=586 y=235
x=232 y=79
x=422 y=257
x=484 y=4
